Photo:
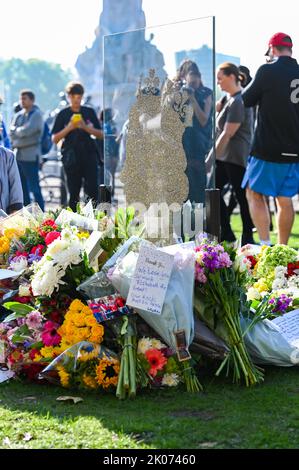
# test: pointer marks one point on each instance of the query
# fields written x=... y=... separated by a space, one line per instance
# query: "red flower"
x=51 y=236
x=21 y=253
x=38 y=250
x=50 y=337
x=46 y=227
x=120 y=302
x=252 y=260
x=292 y=268
x=22 y=300
x=33 y=353
x=156 y=361
x=15 y=356
x=55 y=317
x=31 y=371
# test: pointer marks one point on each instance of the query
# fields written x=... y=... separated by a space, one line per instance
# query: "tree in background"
x=46 y=79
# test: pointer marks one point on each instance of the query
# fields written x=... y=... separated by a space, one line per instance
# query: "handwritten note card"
x=151 y=278
x=289 y=326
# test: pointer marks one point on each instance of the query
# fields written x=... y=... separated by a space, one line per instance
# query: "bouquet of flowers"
x=272 y=257
x=157 y=364
x=63 y=266
x=30 y=339
x=219 y=299
x=80 y=325
x=84 y=365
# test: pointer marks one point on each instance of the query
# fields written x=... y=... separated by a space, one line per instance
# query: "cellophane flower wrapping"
x=84 y=365
x=177 y=311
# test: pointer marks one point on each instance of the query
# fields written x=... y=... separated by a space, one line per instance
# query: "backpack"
x=46 y=141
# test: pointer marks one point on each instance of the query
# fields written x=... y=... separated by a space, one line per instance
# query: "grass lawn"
x=224 y=416
x=294 y=239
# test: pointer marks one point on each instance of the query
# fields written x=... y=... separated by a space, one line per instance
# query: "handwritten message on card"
x=289 y=326
x=151 y=278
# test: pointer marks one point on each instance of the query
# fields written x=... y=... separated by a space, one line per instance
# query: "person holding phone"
x=78 y=127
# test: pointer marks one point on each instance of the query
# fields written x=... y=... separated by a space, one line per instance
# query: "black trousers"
x=83 y=172
x=233 y=174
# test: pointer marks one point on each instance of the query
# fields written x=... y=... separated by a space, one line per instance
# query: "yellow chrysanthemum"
x=76 y=305
x=80 y=325
x=50 y=351
x=11 y=233
x=4 y=245
x=37 y=358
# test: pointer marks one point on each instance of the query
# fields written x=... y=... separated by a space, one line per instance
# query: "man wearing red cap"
x=273 y=168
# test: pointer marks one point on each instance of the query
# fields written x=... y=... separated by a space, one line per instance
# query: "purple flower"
x=34 y=257
x=281 y=304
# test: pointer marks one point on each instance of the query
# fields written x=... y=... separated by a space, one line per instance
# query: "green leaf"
x=38 y=345
x=130 y=215
x=20 y=309
x=11 y=317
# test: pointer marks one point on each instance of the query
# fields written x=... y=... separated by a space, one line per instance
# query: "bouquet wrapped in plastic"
x=175 y=323
x=177 y=311
x=266 y=344
x=84 y=365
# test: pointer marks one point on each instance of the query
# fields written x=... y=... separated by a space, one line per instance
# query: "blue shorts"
x=272 y=179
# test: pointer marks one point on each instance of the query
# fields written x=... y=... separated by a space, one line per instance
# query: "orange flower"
x=156 y=360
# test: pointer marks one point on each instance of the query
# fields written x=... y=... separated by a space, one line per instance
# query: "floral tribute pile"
x=51 y=328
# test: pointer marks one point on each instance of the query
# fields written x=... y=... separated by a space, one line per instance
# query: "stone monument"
x=126 y=57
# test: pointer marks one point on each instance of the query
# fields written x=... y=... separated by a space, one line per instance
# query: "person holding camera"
x=78 y=126
x=197 y=139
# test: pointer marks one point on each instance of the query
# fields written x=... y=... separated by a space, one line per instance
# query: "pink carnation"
x=34 y=319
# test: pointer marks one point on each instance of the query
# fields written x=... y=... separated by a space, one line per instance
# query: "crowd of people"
x=256 y=143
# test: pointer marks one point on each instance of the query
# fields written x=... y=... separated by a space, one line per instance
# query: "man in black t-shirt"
x=78 y=126
x=273 y=168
